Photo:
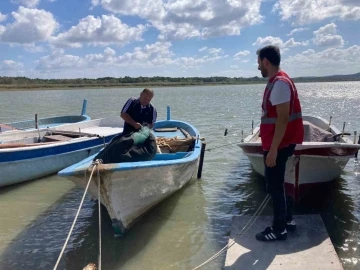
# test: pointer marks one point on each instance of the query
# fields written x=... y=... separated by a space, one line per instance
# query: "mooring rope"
x=242 y=232
x=248 y=224
x=77 y=215
x=99 y=203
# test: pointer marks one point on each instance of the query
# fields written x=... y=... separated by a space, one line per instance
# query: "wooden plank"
x=56 y=138
x=71 y=133
x=186 y=134
x=172 y=129
x=309 y=247
x=16 y=145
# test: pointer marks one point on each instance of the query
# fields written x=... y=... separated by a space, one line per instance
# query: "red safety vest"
x=294 y=133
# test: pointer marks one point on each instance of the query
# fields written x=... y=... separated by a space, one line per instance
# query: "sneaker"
x=291 y=226
x=269 y=234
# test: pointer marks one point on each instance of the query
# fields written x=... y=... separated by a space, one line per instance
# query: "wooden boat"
x=48 y=122
x=30 y=154
x=130 y=189
x=321 y=158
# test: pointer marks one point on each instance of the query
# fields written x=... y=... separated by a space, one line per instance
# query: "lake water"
x=189 y=227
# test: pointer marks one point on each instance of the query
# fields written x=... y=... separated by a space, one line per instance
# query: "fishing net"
x=141 y=136
x=134 y=147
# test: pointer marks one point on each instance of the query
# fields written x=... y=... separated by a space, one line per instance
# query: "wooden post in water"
x=201 y=162
x=356 y=154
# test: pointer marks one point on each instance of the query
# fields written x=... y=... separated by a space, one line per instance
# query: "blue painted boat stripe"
x=30 y=152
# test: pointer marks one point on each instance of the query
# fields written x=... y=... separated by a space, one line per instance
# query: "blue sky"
x=177 y=38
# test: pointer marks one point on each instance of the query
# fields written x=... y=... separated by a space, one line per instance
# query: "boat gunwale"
x=305 y=145
x=126 y=166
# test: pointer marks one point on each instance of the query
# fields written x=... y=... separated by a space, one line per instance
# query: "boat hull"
x=15 y=172
x=305 y=172
x=129 y=194
x=22 y=158
x=130 y=189
x=319 y=159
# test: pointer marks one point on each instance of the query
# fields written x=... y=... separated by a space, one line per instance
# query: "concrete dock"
x=308 y=248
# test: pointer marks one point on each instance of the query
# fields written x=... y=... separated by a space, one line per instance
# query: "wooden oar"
x=17 y=145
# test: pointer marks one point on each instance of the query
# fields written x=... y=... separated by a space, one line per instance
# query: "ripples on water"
x=189 y=227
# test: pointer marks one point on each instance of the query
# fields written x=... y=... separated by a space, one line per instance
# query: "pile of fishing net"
x=133 y=147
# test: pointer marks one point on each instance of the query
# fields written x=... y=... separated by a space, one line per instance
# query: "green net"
x=140 y=136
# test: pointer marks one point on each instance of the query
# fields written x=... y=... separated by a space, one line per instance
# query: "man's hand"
x=137 y=125
x=271 y=158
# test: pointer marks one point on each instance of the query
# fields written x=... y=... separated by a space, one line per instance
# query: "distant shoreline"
x=34 y=87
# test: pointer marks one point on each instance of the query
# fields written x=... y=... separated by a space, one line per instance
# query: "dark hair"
x=271 y=53
x=148 y=91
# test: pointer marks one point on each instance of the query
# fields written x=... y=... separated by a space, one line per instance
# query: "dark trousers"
x=275 y=178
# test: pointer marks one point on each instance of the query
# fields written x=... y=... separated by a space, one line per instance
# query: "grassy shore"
x=63 y=86
x=29 y=87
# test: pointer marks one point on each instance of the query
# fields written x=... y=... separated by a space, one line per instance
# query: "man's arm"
x=127 y=118
x=282 y=120
x=153 y=118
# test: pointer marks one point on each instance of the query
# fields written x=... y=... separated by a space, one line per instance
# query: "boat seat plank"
x=171 y=156
x=172 y=129
x=56 y=138
x=4 y=127
x=71 y=133
x=178 y=134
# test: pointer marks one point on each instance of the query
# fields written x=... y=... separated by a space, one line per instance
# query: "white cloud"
x=32 y=48
x=184 y=19
x=296 y=30
x=202 y=49
x=30 y=25
x=328 y=61
x=270 y=40
x=310 y=11
x=326 y=36
x=241 y=54
x=214 y=51
x=149 y=56
x=143 y=8
x=59 y=60
x=99 y=32
x=3 y=17
x=10 y=65
x=28 y=3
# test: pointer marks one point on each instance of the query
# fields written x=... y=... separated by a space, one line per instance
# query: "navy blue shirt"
x=140 y=114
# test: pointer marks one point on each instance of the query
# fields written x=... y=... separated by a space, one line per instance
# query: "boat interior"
x=316 y=131
x=173 y=143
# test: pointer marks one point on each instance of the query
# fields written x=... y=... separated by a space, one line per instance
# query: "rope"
x=242 y=232
x=247 y=225
x=221 y=146
x=77 y=214
x=99 y=203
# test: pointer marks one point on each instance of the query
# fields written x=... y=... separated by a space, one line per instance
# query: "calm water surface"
x=189 y=227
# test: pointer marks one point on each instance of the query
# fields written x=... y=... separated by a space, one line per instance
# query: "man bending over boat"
x=281 y=129
x=138 y=112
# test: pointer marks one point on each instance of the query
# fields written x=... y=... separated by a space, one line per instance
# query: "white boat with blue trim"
x=48 y=122
x=29 y=155
x=130 y=189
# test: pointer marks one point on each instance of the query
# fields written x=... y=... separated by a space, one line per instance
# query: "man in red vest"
x=281 y=129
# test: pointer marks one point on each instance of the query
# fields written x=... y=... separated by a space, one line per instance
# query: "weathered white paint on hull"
x=312 y=169
x=129 y=194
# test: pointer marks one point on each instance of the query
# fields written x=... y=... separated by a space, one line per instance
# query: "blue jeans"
x=275 y=178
